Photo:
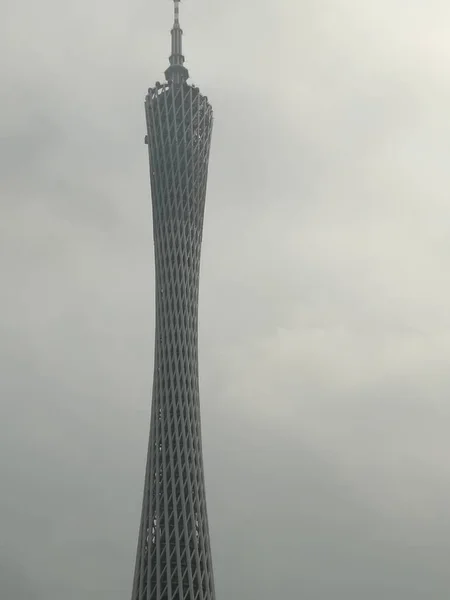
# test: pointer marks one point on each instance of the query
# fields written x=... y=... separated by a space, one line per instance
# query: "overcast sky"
x=324 y=302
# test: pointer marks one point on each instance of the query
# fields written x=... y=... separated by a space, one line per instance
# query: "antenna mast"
x=177 y=72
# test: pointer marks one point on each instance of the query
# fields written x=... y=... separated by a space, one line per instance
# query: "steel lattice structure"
x=173 y=556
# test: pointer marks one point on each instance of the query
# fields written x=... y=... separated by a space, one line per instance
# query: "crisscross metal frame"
x=174 y=557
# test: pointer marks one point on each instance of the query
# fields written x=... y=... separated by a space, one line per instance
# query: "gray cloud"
x=324 y=323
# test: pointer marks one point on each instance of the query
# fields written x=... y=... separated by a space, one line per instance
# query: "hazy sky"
x=324 y=319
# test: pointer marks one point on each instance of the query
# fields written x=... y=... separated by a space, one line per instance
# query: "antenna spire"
x=177 y=72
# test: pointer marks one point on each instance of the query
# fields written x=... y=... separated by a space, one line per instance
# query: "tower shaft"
x=173 y=559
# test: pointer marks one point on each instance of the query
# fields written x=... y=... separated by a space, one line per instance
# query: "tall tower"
x=173 y=559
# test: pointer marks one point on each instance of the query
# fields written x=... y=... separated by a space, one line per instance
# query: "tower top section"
x=177 y=72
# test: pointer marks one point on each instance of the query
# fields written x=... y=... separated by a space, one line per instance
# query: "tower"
x=173 y=559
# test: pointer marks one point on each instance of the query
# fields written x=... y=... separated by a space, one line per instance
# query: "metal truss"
x=173 y=556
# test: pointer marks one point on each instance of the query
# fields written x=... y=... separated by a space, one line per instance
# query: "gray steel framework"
x=173 y=556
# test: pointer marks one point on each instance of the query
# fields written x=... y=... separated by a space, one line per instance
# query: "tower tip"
x=177 y=72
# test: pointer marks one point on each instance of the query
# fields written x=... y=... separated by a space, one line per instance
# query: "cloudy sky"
x=324 y=321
